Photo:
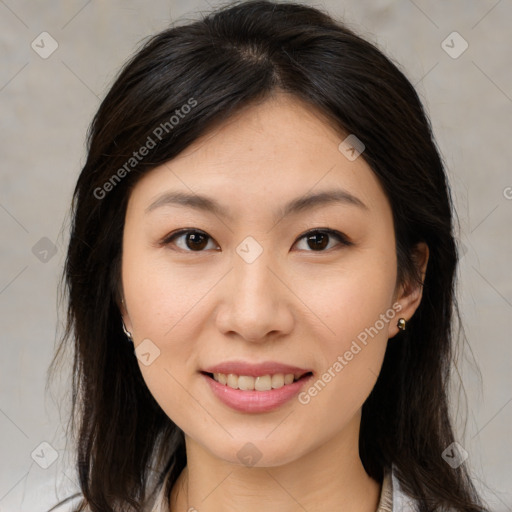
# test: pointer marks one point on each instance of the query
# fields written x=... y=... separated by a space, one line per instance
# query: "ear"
x=409 y=295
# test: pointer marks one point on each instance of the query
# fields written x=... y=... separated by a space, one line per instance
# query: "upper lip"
x=255 y=369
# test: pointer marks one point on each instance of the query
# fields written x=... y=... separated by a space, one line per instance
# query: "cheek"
x=167 y=306
x=161 y=295
x=350 y=296
x=354 y=304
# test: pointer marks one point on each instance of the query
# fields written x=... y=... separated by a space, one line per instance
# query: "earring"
x=128 y=335
x=401 y=324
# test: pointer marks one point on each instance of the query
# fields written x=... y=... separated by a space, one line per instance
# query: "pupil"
x=323 y=242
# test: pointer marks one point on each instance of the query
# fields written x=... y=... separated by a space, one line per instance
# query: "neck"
x=330 y=477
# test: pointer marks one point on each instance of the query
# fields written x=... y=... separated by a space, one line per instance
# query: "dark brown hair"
x=228 y=60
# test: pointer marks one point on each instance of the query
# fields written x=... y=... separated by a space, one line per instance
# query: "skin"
x=292 y=304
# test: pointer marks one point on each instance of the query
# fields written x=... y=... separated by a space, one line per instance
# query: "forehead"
x=269 y=152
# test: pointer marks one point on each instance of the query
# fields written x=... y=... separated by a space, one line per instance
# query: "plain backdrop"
x=465 y=82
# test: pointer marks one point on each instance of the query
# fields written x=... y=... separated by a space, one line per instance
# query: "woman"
x=261 y=278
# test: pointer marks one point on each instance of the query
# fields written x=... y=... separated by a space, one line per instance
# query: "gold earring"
x=402 y=324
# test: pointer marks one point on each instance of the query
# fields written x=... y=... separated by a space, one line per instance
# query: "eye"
x=191 y=240
x=194 y=240
x=318 y=239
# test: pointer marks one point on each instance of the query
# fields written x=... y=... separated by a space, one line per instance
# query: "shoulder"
x=72 y=503
x=159 y=504
x=401 y=501
x=156 y=503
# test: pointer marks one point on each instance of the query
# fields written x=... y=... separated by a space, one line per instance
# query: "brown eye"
x=318 y=240
x=190 y=240
x=196 y=241
x=193 y=240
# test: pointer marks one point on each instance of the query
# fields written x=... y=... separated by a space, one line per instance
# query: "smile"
x=259 y=383
x=249 y=394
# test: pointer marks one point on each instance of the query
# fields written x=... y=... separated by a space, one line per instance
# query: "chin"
x=258 y=452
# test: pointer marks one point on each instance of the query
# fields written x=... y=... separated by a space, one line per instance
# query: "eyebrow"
x=299 y=204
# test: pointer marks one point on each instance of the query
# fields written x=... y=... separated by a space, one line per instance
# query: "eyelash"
x=342 y=239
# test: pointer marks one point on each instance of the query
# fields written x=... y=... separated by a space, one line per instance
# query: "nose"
x=257 y=303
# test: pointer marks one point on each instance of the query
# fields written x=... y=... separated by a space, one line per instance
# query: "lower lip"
x=255 y=401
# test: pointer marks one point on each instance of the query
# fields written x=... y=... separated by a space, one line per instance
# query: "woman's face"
x=252 y=283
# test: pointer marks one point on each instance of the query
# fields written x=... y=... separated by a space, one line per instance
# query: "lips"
x=255 y=387
x=255 y=401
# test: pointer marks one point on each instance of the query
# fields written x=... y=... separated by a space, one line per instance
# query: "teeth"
x=261 y=383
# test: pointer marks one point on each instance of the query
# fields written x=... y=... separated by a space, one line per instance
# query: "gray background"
x=47 y=104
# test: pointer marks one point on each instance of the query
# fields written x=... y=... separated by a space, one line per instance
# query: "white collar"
x=401 y=502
